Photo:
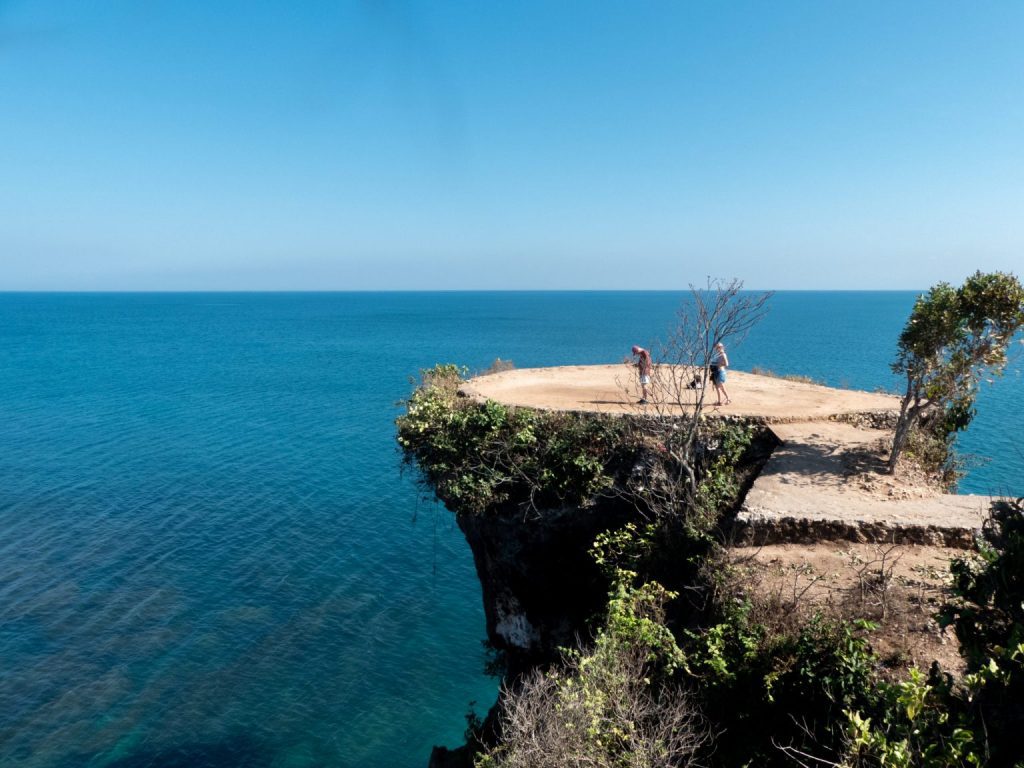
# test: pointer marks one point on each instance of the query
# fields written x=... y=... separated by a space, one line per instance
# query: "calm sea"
x=208 y=553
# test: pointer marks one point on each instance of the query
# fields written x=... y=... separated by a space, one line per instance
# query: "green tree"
x=953 y=338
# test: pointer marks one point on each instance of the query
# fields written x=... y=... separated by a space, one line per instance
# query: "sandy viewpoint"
x=614 y=389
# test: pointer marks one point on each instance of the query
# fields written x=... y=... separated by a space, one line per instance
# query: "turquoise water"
x=208 y=553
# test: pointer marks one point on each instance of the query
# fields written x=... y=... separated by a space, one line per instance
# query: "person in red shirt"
x=643 y=366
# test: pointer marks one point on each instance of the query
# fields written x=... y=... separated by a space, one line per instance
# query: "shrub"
x=782 y=692
x=988 y=616
x=476 y=455
x=915 y=725
x=719 y=485
x=614 y=706
x=932 y=722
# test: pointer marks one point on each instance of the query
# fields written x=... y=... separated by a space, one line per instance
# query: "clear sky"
x=459 y=145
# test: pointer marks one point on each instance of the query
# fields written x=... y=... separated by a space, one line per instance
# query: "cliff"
x=533 y=485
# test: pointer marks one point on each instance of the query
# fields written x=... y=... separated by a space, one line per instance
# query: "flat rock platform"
x=614 y=389
x=824 y=481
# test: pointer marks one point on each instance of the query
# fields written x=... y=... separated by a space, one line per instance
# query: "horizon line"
x=241 y=291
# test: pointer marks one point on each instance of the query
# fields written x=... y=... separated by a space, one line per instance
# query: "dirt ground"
x=614 y=389
x=898 y=587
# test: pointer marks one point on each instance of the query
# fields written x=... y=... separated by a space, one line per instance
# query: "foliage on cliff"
x=477 y=455
x=988 y=617
x=480 y=455
x=616 y=705
x=817 y=695
x=979 y=719
x=777 y=694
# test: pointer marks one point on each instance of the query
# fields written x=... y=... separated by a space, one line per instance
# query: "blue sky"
x=552 y=145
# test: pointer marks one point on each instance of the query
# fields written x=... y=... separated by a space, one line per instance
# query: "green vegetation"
x=477 y=456
x=988 y=616
x=953 y=338
x=746 y=687
x=616 y=705
x=719 y=485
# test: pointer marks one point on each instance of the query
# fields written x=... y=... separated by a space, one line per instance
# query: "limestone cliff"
x=540 y=585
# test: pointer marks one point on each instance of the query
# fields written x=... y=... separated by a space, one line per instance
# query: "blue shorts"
x=718 y=375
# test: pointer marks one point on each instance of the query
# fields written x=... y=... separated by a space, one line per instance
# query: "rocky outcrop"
x=540 y=587
x=540 y=584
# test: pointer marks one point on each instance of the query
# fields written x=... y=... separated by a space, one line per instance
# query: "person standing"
x=719 y=362
x=643 y=366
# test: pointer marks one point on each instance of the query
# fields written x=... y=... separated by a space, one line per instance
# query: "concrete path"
x=826 y=480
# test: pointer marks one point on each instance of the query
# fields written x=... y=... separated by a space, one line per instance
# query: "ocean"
x=210 y=554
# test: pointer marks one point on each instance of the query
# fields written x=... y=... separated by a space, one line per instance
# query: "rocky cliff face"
x=540 y=584
x=491 y=463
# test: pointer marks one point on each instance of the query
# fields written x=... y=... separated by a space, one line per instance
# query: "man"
x=643 y=366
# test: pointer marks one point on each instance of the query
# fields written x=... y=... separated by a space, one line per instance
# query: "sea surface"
x=209 y=552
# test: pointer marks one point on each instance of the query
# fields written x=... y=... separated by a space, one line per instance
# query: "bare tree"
x=723 y=313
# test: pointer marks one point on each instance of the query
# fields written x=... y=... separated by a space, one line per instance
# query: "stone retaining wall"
x=751 y=531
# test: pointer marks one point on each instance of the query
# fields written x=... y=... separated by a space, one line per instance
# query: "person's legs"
x=645 y=382
x=719 y=380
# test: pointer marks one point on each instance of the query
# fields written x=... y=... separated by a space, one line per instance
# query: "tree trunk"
x=908 y=415
x=899 y=441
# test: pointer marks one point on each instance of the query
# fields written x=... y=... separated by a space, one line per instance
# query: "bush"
x=932 y=447
x=776 y=691
x=916 y=725
x=932 y=722
x=988 y=616
x=612 y=707
x=477 y=455
x=719 y=485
